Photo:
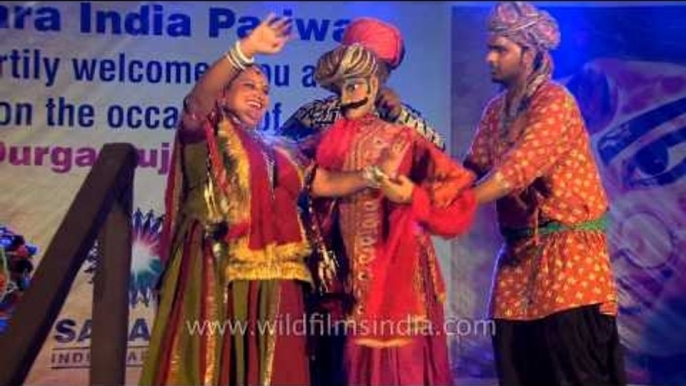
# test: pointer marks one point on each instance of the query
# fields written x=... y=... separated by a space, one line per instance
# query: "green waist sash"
x=515 y=234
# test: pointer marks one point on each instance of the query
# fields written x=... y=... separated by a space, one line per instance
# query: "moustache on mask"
x=354 y=105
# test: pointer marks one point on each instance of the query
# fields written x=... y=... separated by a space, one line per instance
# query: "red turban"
x=381 y=38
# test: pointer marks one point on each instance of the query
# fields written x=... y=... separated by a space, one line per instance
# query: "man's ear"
x=373 y=87
x=528 y=57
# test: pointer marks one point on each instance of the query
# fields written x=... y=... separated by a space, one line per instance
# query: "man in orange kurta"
x=554 y=297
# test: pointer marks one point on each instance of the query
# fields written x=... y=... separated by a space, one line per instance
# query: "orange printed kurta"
x=545 y=156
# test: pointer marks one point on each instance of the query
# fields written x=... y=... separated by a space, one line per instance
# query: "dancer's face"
x=247 y=97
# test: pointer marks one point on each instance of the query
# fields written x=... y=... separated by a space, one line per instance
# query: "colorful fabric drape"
x=235 y=260
x=394 y=274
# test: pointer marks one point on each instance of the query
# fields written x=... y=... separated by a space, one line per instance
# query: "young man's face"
x=505 y=58
x=358 y=96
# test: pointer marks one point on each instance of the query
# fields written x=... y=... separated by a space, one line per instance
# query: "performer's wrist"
x=370 y=174
x=238 y=58
x=245 y=51
x=408 y=193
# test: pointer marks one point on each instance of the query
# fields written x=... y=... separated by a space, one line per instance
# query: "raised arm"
x=268 y=37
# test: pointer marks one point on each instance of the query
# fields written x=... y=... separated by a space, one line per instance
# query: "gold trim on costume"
x=238 y=173
x=271 y=342
x=377 y=343
x=285 y=261
x=179 y=368
x=274 y=261
x=417 y=322
x=211 y=366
